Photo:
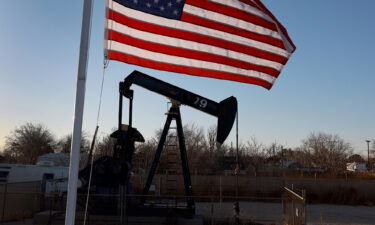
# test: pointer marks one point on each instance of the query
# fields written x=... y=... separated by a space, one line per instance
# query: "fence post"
x=195 y=177
x=4 y=201
x=220 y=191
x=283 y=205
x=304 y=206
x=212 y=210
x=293 y=212
x=43 y=188
x=160 y=184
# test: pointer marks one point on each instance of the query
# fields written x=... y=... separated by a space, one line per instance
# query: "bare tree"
x=211 y=139
x=195 y=143
x=145 y=153
x=195 y=146
x=27 y=142
x=105 y=146
x=256 y=153
x=212 y=150
x=327 y=151
x=355 y=158
x=3 y=159
x=64 y=144
x=272 y=150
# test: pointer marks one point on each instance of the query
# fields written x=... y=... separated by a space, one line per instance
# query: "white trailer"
x=13 y=173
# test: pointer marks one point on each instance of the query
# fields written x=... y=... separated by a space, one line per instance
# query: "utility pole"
x=282 y=157
x=368 y=154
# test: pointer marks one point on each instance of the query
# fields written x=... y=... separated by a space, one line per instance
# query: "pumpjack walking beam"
x=173 y=114
x=225 y=110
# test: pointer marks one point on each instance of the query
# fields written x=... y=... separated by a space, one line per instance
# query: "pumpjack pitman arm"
x=226 y=110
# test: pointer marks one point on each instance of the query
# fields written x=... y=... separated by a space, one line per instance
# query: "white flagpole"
x=78 y=114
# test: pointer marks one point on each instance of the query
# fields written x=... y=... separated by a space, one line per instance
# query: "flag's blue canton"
x=166 y=8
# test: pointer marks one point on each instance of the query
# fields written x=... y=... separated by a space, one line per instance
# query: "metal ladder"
x=173 y=162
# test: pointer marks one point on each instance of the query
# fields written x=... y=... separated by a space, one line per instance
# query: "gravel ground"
x=249 y=211
x=271 y=213
x=340 y=214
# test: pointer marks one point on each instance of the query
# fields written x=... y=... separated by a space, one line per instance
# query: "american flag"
x=238 y=40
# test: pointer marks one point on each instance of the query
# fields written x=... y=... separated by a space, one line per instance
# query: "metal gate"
x=294 y=206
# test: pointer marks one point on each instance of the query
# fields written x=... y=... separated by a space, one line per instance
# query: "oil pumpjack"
x=111 y=175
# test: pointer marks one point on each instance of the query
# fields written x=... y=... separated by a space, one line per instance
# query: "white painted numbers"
x=200 y=102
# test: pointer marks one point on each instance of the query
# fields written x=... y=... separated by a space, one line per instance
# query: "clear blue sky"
x=328 y=84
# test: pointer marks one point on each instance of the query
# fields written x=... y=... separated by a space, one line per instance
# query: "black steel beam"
x=157 y=157
x=184 y=160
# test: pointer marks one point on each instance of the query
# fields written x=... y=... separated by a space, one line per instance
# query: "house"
x=356 y=166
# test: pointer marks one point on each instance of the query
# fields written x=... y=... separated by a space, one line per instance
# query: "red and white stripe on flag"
x=238 y=40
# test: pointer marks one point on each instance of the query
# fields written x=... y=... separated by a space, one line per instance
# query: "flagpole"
x=78 y=114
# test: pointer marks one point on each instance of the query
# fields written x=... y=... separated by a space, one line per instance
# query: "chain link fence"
x=214 y=203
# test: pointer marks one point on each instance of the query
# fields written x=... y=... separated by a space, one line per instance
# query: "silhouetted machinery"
x=111 y=175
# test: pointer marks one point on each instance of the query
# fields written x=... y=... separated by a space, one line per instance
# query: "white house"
x=356 y=166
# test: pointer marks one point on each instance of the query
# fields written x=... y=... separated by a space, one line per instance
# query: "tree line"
x=328 y=152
